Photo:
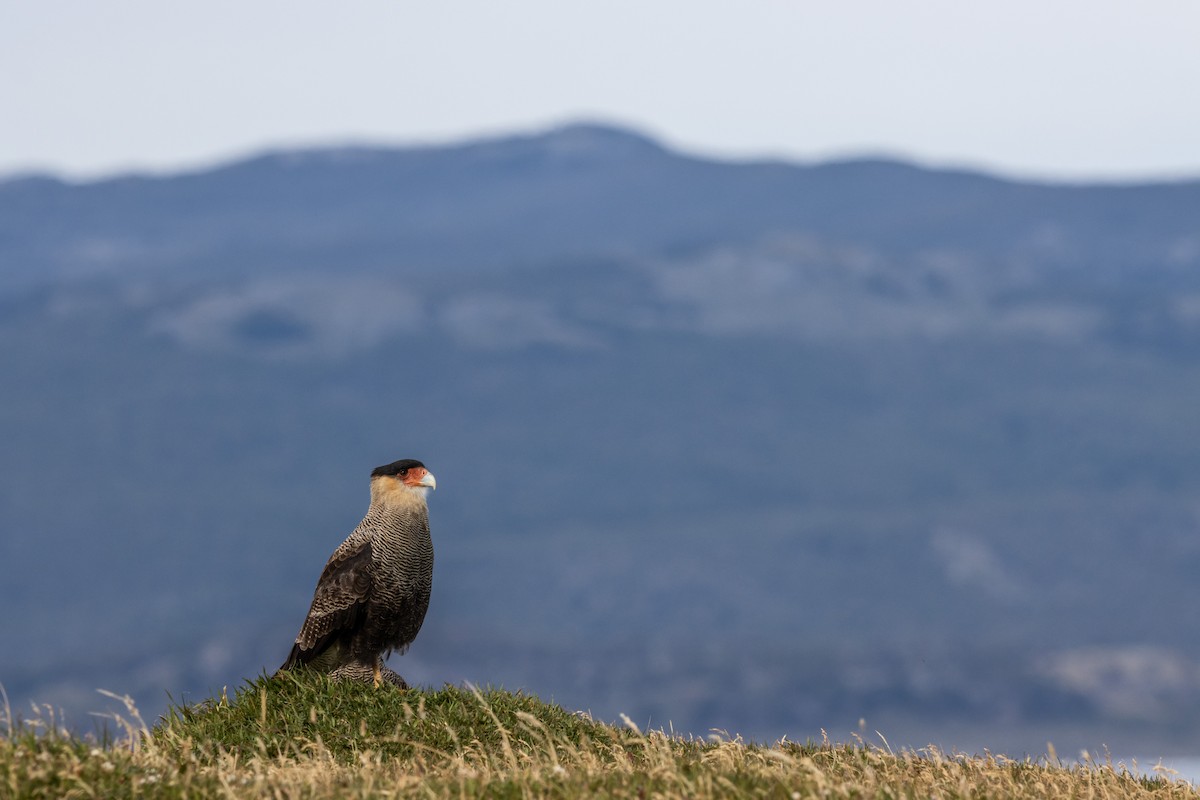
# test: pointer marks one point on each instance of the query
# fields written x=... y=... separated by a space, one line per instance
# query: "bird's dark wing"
x=338 y=604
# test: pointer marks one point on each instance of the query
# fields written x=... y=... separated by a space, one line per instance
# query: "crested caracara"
x=373 y=593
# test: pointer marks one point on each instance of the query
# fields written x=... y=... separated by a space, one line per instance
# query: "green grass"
x=303 y=736
x=301 y=713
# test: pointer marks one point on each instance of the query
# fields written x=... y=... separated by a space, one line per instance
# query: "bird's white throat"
x=388 y=491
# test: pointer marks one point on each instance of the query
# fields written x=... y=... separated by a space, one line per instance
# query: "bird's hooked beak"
x=428 y=480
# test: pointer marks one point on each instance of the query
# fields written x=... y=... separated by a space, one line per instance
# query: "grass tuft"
x=302 y=713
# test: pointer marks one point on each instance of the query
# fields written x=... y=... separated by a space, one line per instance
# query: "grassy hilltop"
x=306 y=737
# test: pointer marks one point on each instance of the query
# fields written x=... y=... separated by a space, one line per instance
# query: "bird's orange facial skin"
x=414 y=476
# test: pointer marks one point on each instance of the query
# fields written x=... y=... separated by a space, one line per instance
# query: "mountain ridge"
x=430 y=203
x=595 y=131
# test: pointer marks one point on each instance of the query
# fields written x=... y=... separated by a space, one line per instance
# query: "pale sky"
x=1046 y=88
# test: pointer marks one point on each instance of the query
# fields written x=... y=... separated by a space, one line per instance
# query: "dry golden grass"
x=496 y=747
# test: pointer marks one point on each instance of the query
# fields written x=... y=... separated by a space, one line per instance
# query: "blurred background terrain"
x=764 y=446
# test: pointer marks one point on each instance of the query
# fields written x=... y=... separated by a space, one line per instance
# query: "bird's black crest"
x=396 y=467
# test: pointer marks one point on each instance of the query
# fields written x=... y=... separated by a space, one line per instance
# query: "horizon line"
x=185 y=166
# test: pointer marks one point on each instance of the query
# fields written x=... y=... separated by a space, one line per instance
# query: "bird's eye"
x=403 y=472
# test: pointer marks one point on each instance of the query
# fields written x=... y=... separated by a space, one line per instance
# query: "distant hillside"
x=577 y=191
x=759 y=446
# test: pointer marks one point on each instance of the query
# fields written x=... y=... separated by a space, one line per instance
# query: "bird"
x=372 y=595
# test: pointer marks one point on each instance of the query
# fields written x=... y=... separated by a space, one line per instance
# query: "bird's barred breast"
x=403 y=555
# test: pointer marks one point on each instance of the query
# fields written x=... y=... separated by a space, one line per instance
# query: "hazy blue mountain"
x=759 y=446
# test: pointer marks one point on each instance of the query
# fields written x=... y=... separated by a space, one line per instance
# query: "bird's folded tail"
x=294 y=659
